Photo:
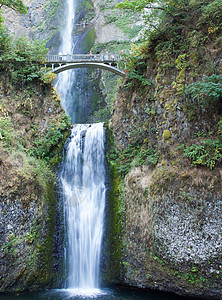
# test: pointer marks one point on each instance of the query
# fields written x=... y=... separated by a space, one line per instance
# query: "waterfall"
x=66 y=79
x=82 y=181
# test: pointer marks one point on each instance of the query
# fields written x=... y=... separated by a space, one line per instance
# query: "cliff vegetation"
x=33 y=129
x=166 y=152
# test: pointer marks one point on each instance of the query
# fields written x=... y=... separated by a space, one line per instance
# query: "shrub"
x=148 y=156
x=212 y=14
x=45 y=145
x=133 y=156
x=23 y=60
x=208 y=89
x=207 y=153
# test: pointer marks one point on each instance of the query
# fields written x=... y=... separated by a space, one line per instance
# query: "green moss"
x=46 y=256
x=162 y=181
x=28 y=253
x=86 y=9
x=166 y=135
x=89 y=40
x=39 y=264
x=167 y=106
x=115 y=216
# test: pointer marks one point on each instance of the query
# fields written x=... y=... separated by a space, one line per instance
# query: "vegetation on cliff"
x=33 y=129
x=16 y=5
x=168 y=147
x=187 y=38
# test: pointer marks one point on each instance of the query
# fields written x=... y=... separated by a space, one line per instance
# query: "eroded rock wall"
x=43 y=21
x=30 y=217
x=169 y=211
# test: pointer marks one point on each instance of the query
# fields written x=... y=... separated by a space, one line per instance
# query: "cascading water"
x=65 y=80
x=82 y=182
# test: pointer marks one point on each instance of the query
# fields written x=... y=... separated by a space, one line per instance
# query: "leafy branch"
x=207 y=153
x=208 y=89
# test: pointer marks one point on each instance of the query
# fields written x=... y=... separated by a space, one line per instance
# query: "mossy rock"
x=166 y=134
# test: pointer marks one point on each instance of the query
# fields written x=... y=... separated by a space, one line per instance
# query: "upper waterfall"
x=65 y=80
x=82 y=181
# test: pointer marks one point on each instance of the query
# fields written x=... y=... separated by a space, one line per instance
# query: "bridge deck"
x=60 y=63
x=71 y=58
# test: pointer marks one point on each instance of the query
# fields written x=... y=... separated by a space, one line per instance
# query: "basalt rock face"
x=170 y=208
x=30 y=217
x=43 y=21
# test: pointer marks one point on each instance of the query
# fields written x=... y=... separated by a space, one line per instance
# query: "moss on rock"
x=171 y=232
x=166 y=134
x=28 y=199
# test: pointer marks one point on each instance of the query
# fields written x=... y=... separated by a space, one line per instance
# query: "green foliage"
x=136 y=65
x=34 y=233
x=133 y=156
x=45 y=144
x=23 y=60
x=89 y=40
x=125 y=21
x=209 y=89
x=107 y=4
x=16 y=5
x=5 y=131
x=111 y=18
x=207 y=153
x=35 y=170
x=137 y=5
x=48 y=78
x=53 y=5
x=46 y=147
x=154 y=12
x=31 y=168
x=139 y=78
x=190 y=277
x=169 y=6
x=212 y=15
x=10 y=246
x=146 y=156
x=8 y=137
x=4 y=37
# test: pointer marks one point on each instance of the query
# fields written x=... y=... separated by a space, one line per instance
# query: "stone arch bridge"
x=110 y=62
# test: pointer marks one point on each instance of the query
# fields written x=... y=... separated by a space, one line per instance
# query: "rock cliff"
x=32 y=133
x=164 y=154
x=166 y=163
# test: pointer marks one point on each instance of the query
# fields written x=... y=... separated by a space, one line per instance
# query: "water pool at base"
x=97 y=294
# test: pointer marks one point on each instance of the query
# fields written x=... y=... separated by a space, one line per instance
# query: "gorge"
x=163 y=154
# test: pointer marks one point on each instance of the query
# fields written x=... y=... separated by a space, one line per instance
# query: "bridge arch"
x=99 y=65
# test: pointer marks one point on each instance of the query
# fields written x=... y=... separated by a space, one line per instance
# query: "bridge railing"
x=83 y=57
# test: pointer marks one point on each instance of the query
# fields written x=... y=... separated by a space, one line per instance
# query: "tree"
x=139 y=5
x=157 y=13
x=164 y=5
x=16 y=5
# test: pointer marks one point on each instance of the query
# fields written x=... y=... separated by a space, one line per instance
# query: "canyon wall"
x=167 y=219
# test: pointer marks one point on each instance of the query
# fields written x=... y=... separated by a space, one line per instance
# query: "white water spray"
x=83 y=183
x=65 y=79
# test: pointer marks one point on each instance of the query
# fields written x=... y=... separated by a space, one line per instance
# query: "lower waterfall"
x=83 y=189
